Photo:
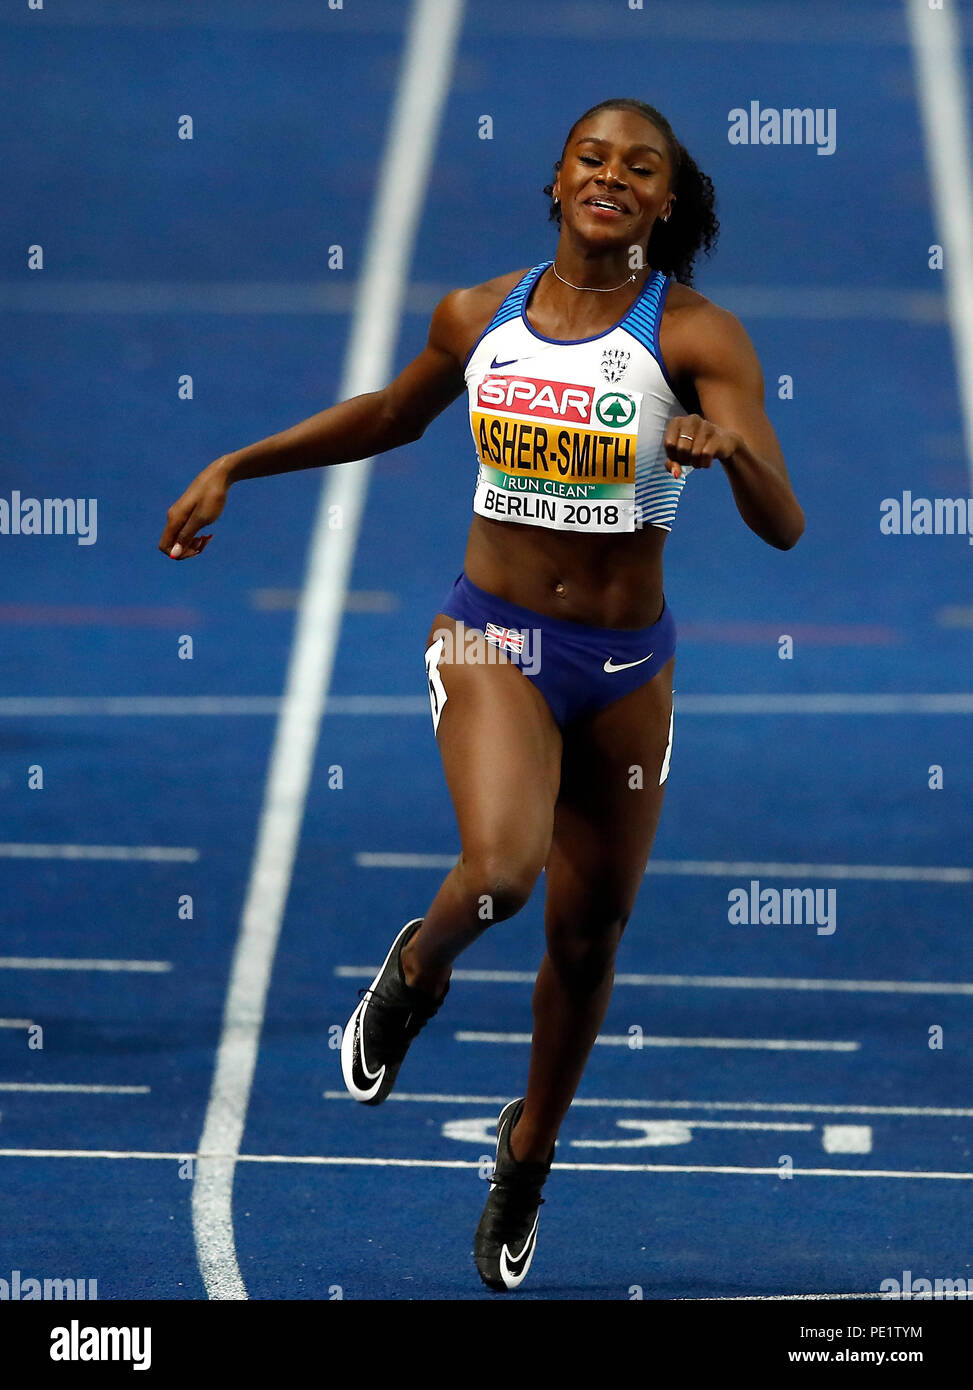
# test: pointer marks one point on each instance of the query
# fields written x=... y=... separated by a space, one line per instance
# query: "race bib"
x=556 y=454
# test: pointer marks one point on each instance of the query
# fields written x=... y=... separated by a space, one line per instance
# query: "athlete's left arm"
x=734 y=428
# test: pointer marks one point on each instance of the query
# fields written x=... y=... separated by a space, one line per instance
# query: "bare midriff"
x=603 y=581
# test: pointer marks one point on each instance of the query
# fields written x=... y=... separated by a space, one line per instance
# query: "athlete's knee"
x=500 y=884
x=585 y=957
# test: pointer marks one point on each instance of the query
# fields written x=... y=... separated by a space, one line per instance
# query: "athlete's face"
x=614 y=179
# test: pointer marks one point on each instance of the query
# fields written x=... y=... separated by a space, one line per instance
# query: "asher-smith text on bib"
x=556 y=453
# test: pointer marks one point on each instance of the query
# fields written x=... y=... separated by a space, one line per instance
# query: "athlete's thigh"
x=499 y=745
x=613 y=771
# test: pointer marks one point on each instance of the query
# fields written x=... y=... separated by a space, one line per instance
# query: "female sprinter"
x=597 y=382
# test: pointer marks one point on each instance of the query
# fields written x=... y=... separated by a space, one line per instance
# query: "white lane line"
x=380 y=860
x=609 y=1167
x=218 y=706
x=846 y=1139
x=693 y=1123
x=713 y=868
x=247 y=297
x=528 y=977
x=145 y=967
x=770 y=982
x=253 y=297
x=826 y=704
x=604 y=1103
x=625 y=1040
x=356 y=600
x=654 y=1133
x=46 y=706
x=377 y=704
x=944 y=104
x=16 y=1023
x=154 y=854
x=70 y=1087
x=180 y=706
x=955 y=616
x=825 y=303
x=359 y=1161
x=884 y=873
x=94 y=1153
x=786 y=1297
x=402 y=182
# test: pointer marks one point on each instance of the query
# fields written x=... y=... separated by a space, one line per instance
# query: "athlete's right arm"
x=354 y=429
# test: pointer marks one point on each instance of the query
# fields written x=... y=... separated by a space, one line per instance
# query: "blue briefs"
x=578 y=669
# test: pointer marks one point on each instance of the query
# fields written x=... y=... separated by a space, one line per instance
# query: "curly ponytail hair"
x=693 y=226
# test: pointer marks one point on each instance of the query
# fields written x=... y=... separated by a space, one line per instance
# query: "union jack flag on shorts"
x=505 y=638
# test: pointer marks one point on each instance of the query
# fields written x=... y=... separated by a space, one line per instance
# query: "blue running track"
x=789 y=1123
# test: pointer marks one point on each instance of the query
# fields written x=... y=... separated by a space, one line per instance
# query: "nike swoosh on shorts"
x=610 y=666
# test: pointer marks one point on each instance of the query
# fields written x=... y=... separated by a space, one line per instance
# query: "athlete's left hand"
x=691 y=440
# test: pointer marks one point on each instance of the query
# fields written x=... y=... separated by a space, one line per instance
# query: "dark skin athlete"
x=527 y=795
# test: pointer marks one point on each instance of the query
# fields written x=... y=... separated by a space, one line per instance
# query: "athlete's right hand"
x=199 y=506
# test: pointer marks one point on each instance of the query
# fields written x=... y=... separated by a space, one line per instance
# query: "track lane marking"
x=218 y=706
x=714 y=868
x=367 y=1161
x=153 y=854
x=427 y=64
x=755 y=1106
x=142 y=967
x=944 y=104
x=625 y=1040
x=528 y=977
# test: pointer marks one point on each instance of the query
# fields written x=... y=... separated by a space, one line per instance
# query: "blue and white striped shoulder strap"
x=643 y=319
x=513 y=306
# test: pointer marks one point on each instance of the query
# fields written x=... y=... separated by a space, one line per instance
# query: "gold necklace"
x=594 y=288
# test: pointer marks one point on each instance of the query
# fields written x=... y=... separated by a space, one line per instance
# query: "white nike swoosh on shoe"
x=353 y=1031
x=610 y=665
x=513 y=1268
x=355 y=1066
x=370 y=1075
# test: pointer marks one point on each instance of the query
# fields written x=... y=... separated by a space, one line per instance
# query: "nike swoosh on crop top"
x=569 y=435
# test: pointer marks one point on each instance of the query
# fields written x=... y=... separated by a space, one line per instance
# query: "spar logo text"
x=545 y=400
